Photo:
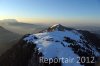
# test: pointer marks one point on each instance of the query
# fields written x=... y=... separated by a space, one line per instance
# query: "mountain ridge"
x=52 y=44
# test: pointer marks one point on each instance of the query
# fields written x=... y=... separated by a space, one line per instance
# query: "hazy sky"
x=51 y=10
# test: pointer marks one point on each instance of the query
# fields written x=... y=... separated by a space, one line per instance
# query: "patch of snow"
x=55 y=25
x=95 y=51
x=52 y=49
x=59 y=35
x=46 y=43
x=30 y=38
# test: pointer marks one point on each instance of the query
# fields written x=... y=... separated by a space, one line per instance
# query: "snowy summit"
x=59 y=41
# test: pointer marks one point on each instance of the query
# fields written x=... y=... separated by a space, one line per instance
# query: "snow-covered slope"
x=59 y=41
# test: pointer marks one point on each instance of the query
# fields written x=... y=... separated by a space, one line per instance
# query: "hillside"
x=53 y=43
x=7 y=39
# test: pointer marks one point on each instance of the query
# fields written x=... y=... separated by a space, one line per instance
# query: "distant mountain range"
x=91 y=28
x=54 y=42
x=20 y=27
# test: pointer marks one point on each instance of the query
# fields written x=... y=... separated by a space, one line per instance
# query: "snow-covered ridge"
x=60 y=43
x=56 y=25
x=51 y=44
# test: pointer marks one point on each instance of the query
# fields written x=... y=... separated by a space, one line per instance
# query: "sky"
x=73 y=11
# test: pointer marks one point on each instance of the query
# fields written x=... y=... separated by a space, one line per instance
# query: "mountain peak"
x=58 y=27
x=61 y=42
